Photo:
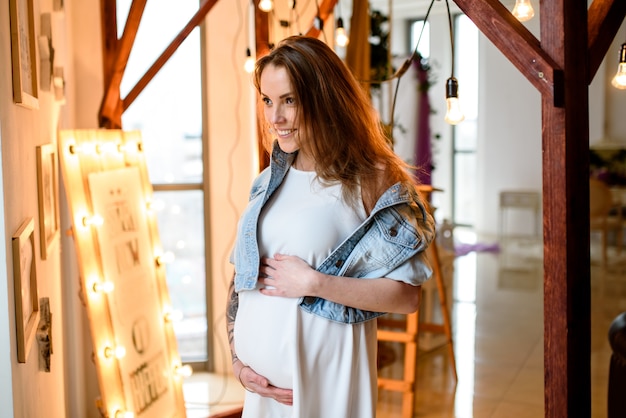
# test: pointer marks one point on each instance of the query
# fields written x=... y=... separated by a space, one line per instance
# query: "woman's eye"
x=290 y=100
x=267 y=101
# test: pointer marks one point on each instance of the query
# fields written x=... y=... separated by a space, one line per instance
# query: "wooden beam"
x=261 y=32
x=567 y=301
x=324 y=12
x=108 y=18
x=519 y=45
x=195 y=20
x=110 y=109
x=604 y=20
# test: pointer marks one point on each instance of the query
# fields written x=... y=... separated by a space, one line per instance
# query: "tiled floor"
x=497 y=319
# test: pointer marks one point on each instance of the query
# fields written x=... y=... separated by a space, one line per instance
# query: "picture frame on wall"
x=23 y=54
x=25 y=287
x=48 y=192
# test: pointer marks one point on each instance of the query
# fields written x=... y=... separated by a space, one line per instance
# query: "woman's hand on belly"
x=287 y=276
x=256 y=383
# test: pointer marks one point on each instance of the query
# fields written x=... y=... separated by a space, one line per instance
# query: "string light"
x=454 y=114
x=153 y=206
x=248 y=65
x=87 y=148
x=94 y=220
x=341 y=38
x=171 y=315
x=619 y=81
x=103 y=287
x=266 y=5
x=523 y=10
x=165 y=258
x=117 y=352
x=183 y=370
x=130 y=146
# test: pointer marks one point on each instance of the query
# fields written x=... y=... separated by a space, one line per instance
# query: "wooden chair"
x=601 y=216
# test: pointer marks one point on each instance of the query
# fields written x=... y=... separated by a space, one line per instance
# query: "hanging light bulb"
x=266 y=5
x=523 y=10
x=454 y=114
x=249 y=64
x=340 y=34
x=619 y=81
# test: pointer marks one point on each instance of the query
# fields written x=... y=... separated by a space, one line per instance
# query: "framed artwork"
x=25 y=288
x=47 y=186
x=23 y=53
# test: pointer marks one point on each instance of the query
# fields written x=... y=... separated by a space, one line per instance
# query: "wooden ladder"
x=405 y=331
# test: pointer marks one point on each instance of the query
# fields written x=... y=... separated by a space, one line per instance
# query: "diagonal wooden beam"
x=325 y=10
x=110 y=114
x=108 y=18
x=604 y=19
x=195 y=20
x=519 y=45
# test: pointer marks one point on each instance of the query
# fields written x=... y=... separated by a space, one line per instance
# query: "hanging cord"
x=451 y=37
x=406 y=65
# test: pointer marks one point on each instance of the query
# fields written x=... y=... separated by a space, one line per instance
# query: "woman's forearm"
x=232 y=305
x=378 y=295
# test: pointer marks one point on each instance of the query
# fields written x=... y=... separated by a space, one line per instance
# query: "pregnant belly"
x=265 y=336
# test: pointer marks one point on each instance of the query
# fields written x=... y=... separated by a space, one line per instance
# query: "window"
x=465 y=134
x=415 y=28
x=168 y=113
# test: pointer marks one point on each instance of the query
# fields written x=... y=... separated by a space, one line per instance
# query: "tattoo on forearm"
x=231 y=313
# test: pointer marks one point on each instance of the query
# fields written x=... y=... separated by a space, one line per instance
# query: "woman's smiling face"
x=280 y=107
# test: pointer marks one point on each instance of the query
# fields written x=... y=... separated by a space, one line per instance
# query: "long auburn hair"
x=338 y=126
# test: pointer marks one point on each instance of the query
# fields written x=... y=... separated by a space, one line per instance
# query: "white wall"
x=509 y=135
x=6 y=354
x=32 y=391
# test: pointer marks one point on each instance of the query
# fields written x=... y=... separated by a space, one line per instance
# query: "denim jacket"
x=397 y=232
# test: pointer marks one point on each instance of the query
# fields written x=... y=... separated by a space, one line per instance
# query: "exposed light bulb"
x=523 y=10
x=454 y=114
x=341 y=38
x=103 y=287
x=619 y=81
x=266 y=5
x=171 y=315
x=165 y=258
x=86 y=148
x=183 y=370
x=95 y=220
x=124 y=414
x=248 y=65
x=117 y=352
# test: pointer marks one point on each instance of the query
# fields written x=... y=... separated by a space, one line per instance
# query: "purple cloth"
x=423 y=154
x=464 y=249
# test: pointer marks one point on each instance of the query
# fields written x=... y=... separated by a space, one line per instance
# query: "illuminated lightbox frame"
x=122 y=273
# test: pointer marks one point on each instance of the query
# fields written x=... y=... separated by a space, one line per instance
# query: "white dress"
x=330 y=366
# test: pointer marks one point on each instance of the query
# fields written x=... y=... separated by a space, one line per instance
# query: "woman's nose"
x=277 y=115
